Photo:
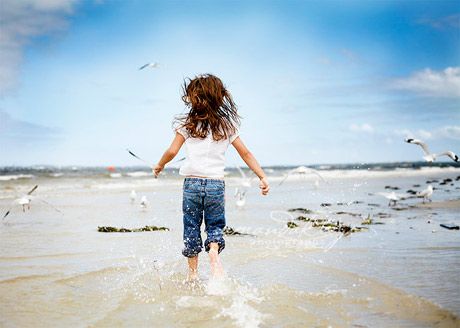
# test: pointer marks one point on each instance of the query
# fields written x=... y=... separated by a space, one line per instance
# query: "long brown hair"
x=211 y=108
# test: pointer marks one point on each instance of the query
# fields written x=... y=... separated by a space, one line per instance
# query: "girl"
x=207 y=130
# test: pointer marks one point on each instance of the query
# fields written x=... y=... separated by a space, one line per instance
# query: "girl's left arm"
x=169 y=154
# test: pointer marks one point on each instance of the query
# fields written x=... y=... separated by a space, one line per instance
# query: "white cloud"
x=418 y=134
x=365 y=127
x=449 y=132
x=451 y=21
x=445 y=83
x=21 y=21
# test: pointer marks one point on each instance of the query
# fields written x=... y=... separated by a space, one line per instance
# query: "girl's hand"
x=157 y=169
x=264 y=186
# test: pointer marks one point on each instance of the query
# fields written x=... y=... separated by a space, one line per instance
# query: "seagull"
x=151 y=65
x=245 y=181
x=133 y=196
x=302 y=170
x=144 y=202
x=426 y=194
x=431 y=157
x=25 y=201
x=240 y=197
x=392 y=197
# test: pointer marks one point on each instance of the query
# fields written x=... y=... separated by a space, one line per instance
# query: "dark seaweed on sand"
x=326 y=225
x=231 y=232
x=292 y=225
x=146 y=228
x=301 y=210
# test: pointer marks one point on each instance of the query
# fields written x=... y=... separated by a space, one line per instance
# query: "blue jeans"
x=203 y=198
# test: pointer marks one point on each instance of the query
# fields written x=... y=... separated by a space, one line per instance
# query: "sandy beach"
x=400 y=270
x=449 y=204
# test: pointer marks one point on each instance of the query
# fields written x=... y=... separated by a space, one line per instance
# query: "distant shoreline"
x=377 y=166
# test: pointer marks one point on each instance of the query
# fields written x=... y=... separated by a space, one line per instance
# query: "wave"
x=138 y=174
x=16 y=177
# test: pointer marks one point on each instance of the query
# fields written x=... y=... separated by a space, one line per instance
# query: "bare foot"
x=216 y=267
x=192 y=268
x=192 y=275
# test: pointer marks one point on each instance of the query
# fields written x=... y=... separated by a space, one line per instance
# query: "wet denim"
x=203 y=199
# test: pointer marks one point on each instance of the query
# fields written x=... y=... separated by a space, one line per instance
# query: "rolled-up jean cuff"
x=191 y=252
x=219 y=241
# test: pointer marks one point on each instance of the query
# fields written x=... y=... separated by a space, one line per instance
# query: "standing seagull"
x=392 y=197
x=144 y=202
x=133 y=196
x=431 y=157
x=151 y=65
x=426 y=194
x=303 y=171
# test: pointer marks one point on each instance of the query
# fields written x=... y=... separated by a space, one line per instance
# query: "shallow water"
x=56 y=269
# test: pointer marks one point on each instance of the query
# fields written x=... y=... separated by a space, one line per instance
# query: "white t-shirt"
x=205 y=157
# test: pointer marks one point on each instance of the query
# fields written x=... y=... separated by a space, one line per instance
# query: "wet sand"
x=58 y=270
x=448 y=204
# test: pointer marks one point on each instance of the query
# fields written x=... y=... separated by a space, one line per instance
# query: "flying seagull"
x=303 y=171
x=144 y=161
x=245 y=181
x=431 y=157
x=151 y=65
x=240 y=196
x=25 y=201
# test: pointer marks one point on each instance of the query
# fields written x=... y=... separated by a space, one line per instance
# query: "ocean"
x=57 y=270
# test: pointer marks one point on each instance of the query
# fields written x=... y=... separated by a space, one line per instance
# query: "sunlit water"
x=57 y=270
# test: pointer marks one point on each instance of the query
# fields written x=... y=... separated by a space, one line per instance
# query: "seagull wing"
x=134 y=155
x=243 y=175
x=284 y=179
x=424 y=192
x=387 y=195
x=6 y=214
x=424 y=146
x=45 y=202
x=296 y=170
x=449 y=153
x=144 y=66
x=317 y=173
x=402 y=196
x=14 y=202
x=32 y=190
x=286 y=176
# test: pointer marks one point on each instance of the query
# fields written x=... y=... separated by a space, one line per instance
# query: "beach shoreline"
x=394 y=258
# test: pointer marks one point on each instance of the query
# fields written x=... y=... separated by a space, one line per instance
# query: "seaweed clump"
x=146 y=228
x=369 y=220
x=329 y=225
x=232 y=232
x=301 y=210
x=292 y=225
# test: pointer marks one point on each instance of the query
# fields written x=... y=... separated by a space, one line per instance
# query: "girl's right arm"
x=251 y=161
x=169 y=154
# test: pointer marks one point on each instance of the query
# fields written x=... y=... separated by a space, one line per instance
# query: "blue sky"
x=315 y=81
